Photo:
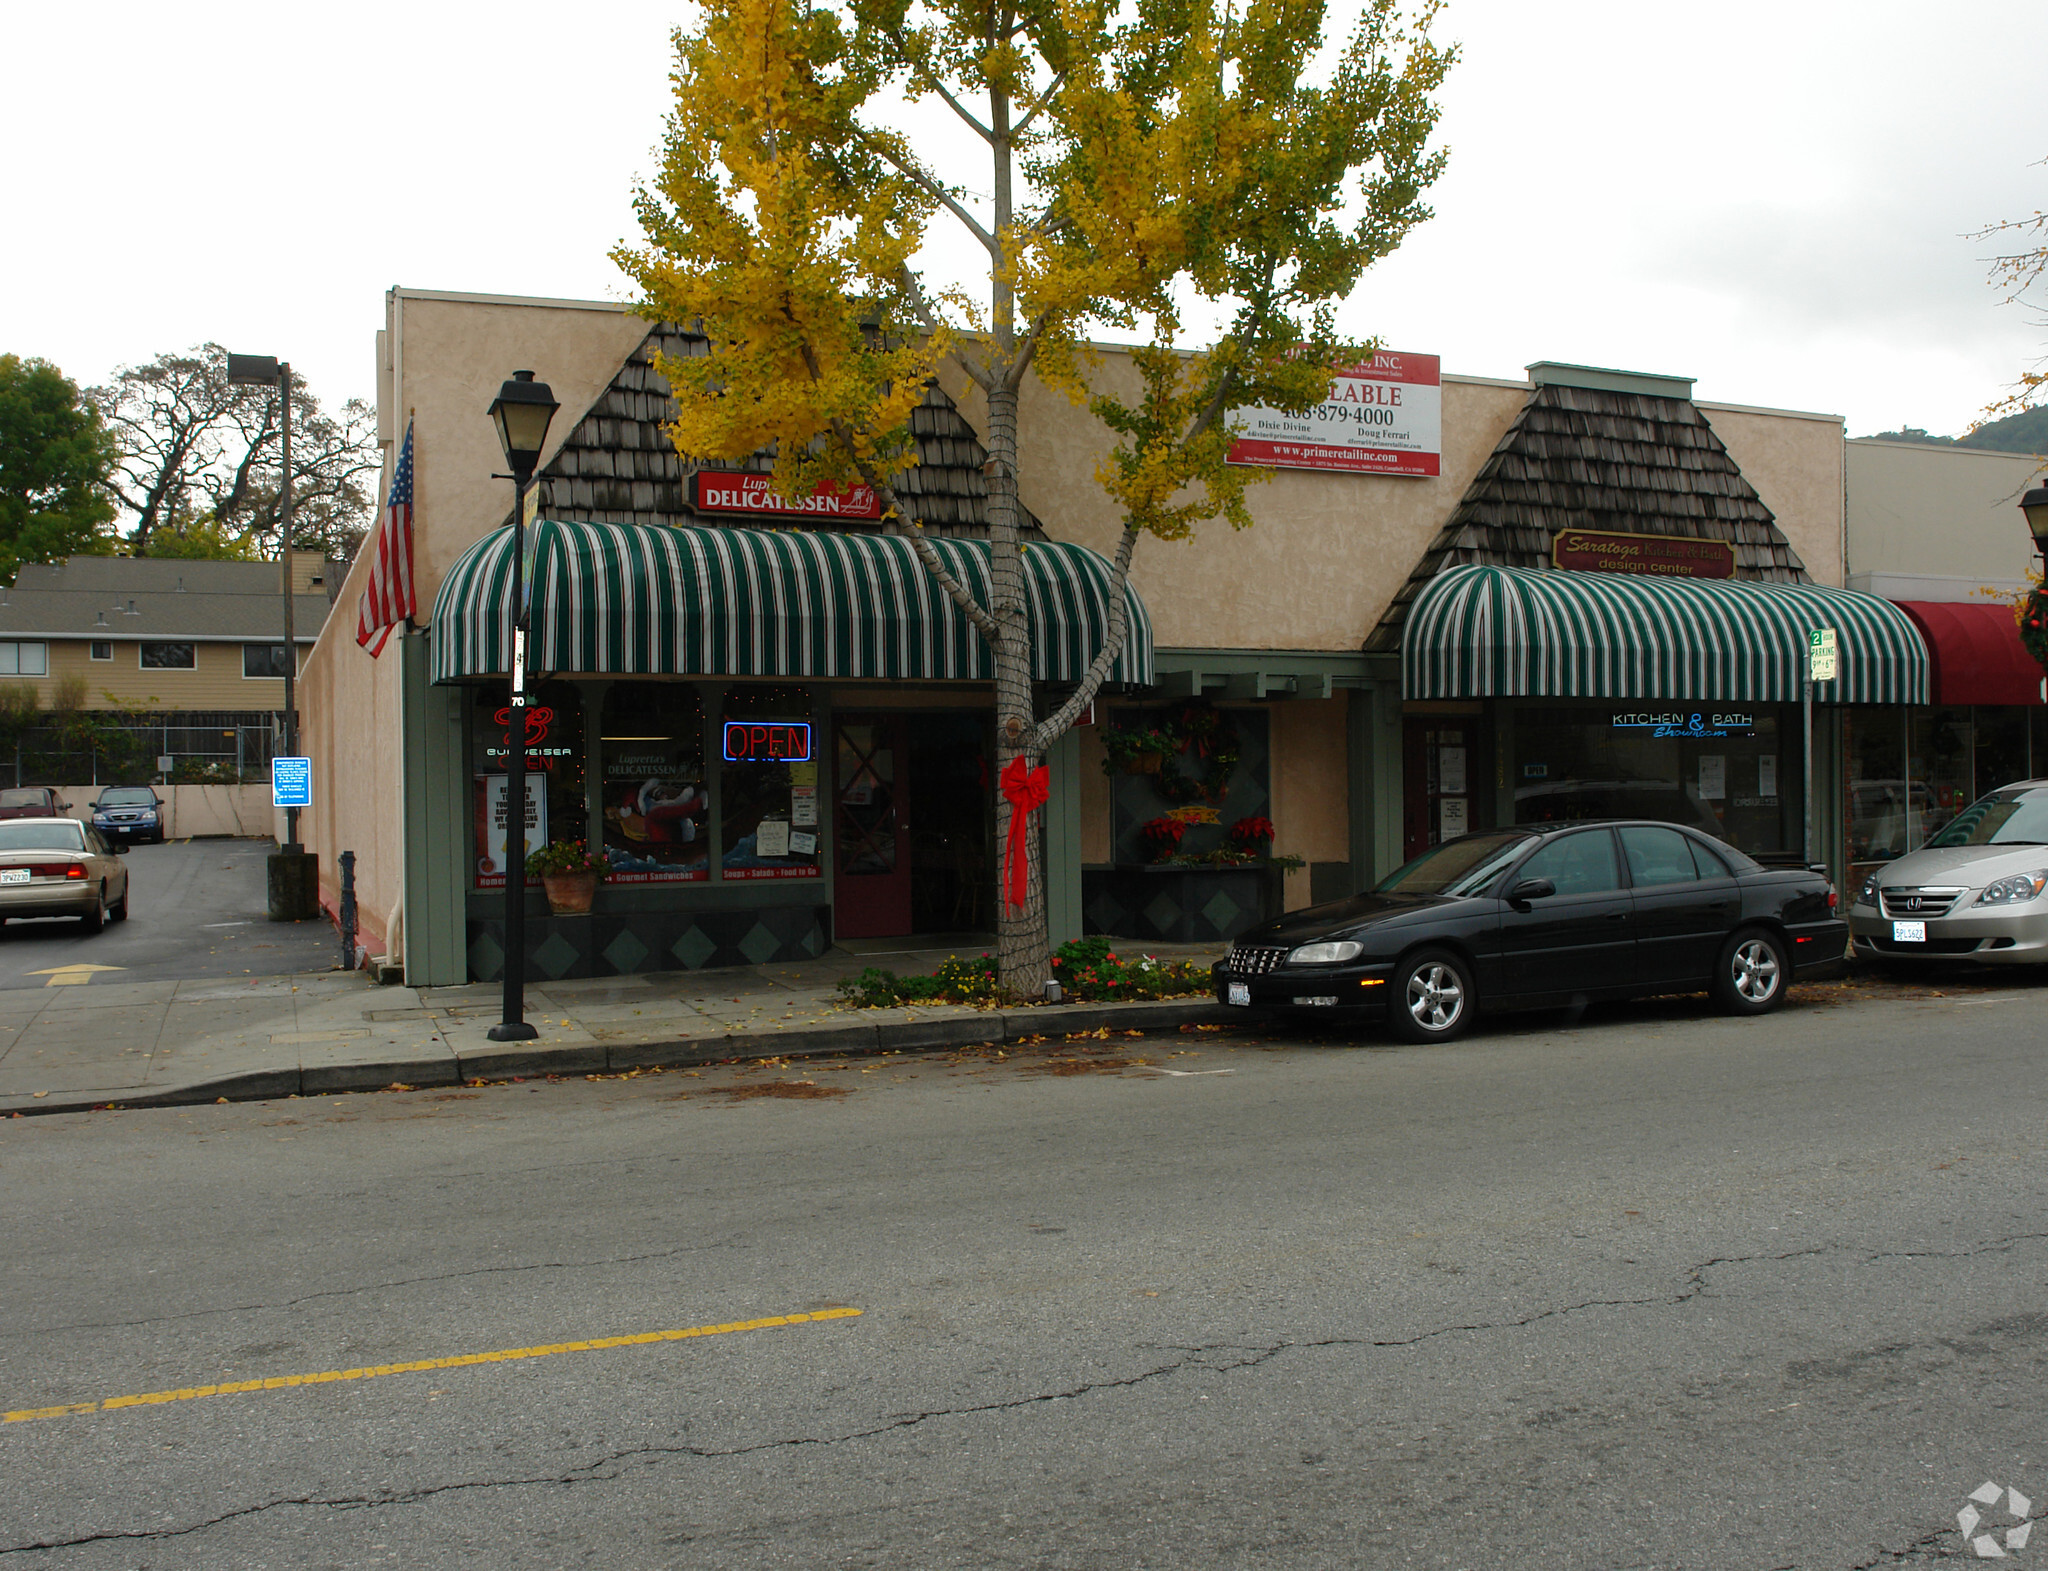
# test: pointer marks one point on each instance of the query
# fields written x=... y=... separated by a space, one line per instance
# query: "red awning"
x=1977 y=654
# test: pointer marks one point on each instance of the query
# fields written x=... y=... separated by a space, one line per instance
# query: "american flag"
x=390 y=599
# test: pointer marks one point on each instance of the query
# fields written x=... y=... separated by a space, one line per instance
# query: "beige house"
x=1291 y=632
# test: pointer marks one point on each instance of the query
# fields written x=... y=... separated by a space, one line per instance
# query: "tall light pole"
x=523 y=411
x=297 y=896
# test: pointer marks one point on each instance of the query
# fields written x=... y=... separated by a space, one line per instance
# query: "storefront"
x=781 y=739
x=1541 y=697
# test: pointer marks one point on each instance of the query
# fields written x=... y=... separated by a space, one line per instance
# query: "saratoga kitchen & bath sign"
x=1658 y=556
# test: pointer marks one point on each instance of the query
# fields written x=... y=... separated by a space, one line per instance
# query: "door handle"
x=1617 y=916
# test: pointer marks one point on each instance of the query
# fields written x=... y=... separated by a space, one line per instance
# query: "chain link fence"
x=97 y=749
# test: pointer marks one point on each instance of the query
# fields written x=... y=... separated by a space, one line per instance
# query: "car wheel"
x=1753 y=973
x=119 y=911
x=96 y=918
x=1433 y=1000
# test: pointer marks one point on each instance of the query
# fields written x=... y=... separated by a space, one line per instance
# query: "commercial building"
x=1507 y=602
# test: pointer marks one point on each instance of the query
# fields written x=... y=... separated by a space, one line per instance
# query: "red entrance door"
x=871 y=794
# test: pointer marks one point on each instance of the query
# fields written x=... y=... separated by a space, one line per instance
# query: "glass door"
x=871 y=893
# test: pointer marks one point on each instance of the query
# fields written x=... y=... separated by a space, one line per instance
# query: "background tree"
x=1142 y=162
x=2017 y=267
x=199 y=471
x=56 y=459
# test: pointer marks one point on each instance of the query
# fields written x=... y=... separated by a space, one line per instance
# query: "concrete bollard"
x=347 y=913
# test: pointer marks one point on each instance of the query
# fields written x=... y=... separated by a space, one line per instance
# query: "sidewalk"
x=67 y=1048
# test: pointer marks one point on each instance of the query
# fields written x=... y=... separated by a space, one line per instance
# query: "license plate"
x=1909 y=932
x=14 y=875
x=1238 y=993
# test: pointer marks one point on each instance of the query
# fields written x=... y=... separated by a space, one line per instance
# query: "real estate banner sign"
x=1384 y=417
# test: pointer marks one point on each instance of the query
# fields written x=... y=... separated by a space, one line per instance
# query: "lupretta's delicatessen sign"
x=1656 y=556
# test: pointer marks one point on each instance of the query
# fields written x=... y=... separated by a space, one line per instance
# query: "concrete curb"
x=856 y=1038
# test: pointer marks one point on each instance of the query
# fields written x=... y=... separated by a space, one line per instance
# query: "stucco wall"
x=1795 y=462
x=1325 y=553
x=1311 y=786
x=1938 y=512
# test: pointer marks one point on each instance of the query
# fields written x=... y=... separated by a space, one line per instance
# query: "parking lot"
x=196 y=909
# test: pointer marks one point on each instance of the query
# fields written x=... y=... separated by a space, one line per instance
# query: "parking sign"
x=291 y=782
x=1822 y=654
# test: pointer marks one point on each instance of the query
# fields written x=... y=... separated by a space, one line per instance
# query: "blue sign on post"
x=291 y=782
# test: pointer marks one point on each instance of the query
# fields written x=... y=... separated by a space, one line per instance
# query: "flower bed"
x=1087 y=969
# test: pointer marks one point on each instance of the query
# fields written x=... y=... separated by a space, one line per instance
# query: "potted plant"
x=1253 y=835
x=1163 y=836
x=1136 y=750
x=569 y=873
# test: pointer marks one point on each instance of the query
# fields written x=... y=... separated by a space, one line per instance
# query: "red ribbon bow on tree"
x=1026 y=790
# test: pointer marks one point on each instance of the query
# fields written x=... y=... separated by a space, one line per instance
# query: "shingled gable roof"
x=1601 y=450
x=619 y=466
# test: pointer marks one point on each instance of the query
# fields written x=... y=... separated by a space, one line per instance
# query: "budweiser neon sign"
x=713 y=491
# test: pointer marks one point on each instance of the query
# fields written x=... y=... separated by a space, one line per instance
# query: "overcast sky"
x=1774 y=198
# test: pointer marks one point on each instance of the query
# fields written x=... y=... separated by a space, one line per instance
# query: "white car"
x=60 y=867
x=1975 y=891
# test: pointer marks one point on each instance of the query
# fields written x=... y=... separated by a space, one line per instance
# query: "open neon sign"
x=767 y=741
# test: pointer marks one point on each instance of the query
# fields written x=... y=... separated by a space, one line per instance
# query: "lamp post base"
x=512 y=1031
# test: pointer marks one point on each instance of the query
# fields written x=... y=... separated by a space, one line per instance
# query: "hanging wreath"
x=1186 y=730
x=2033 y=619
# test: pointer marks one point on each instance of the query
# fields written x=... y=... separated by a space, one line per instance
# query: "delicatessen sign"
x=1658 y=556
x=1383 y=417
x=720 y=491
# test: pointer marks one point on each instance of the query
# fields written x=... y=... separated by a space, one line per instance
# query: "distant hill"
x=2025 y=432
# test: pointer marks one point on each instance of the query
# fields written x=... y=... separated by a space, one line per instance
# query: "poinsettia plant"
x=1163 y=835
x=1252 y=833
x=565 y=856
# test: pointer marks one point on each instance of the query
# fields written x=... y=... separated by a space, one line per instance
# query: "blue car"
x=129 y=813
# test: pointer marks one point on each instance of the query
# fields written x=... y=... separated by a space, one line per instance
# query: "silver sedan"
x=1976 y=891
x=60 y=867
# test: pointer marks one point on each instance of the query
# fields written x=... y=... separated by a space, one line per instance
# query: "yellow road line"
x=459 y=1361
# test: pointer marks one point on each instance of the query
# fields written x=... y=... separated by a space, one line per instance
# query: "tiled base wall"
x=1179 y=905
x=628 y=942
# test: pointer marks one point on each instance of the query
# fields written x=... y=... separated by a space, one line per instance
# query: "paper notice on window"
x=1450 y=771
x=772 y=838
x=804 y=775
x=803 y=806
x=1450 y=817
x=1713 y=776
x=802 y=843
x=1767 y=774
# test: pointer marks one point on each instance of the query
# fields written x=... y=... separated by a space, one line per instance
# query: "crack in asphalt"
x=604 y=1469
x=375 y=1287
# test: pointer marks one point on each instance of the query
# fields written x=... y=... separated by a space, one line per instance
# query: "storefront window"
x=768 y=782
x=1940 y=765
x=657 y=805
x=554 y=774
x=1730 y=770
x=2001 y=749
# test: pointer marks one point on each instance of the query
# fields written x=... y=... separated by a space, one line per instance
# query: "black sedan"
x=1540 y=916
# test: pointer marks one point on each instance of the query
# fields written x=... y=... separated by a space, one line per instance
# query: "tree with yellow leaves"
x=1144 y=161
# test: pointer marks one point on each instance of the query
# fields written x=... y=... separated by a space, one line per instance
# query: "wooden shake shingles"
x=1586 y=458
x=618 y=465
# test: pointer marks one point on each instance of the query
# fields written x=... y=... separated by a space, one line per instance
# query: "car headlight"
x=1329 y=953
x=2011 y=891
x=1867 y=895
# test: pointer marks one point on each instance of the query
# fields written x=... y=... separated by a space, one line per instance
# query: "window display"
x=1726 y=769
x=768 y=785
x=554 y=773
x=657 y=802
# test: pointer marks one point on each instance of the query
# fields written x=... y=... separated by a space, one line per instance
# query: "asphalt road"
x=1655 y=1289
x=196 y=908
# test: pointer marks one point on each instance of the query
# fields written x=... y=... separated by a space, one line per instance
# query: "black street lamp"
x=523 y=411
x=294 y=893
x=2035 y=506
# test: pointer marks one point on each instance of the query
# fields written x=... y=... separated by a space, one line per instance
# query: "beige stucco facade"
x=1927 y=522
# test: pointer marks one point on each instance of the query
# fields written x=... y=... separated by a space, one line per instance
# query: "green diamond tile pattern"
x=1221 y=911
x=553 y=956
x=626 y=952
x=1163 y=912
x=760 y=945
x=693 y=949
x=813 y=943
x=486 y=958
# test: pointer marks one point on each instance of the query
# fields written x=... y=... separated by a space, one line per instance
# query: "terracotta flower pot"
x=570 y=894
x=1144 y=763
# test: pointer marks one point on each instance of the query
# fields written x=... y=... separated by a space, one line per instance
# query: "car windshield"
x=128 y=796
x=1463 y=866
x=42 y=834
x=2004 y=818
x=31 y=797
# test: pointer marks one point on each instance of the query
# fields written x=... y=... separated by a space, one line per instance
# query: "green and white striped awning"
x=1498 y=632
x=646 y=600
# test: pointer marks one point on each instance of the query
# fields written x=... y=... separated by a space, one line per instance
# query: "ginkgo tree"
x=1147 y=164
